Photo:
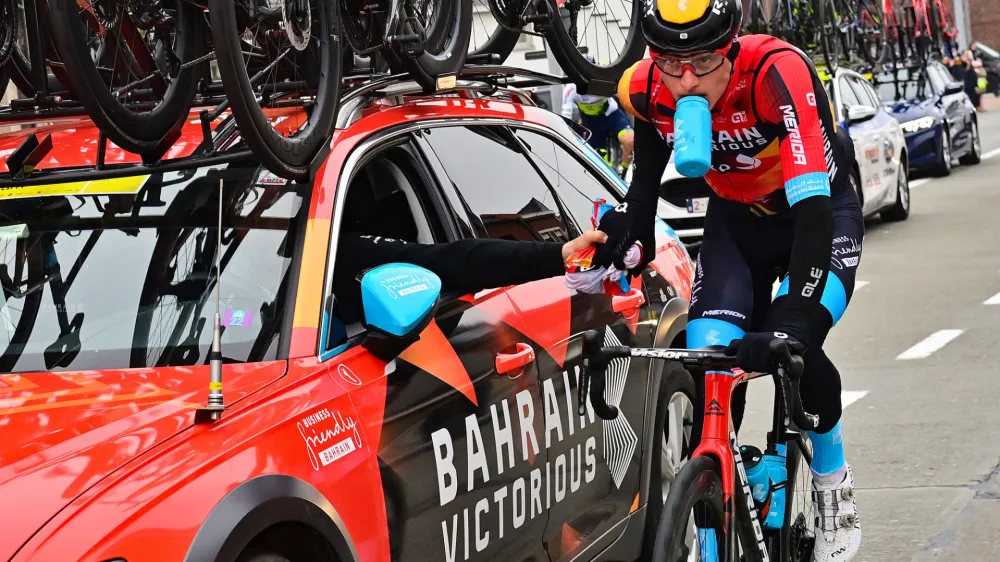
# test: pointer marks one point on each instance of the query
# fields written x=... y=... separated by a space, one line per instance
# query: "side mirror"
x=399 y=301
x=954 y=88
x=859 y=113
x=577 y=128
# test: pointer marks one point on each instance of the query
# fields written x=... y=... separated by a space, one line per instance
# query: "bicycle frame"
x=718 y=440
x=718 y=435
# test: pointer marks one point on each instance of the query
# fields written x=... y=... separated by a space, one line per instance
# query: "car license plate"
x=698 y=205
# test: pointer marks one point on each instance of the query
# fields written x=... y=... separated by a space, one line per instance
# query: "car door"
x=576 y=172
x=459 y=440
x=865 y=149
x=952 y=104
x=882 y=127
x=590 y=478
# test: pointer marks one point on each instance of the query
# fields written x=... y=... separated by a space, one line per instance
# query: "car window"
x=903 y=84
x=847 y=95
x=577 y=186
x=865 y=93
x=937 y=79
x=104 y=282
x=944 y=76
x=505 y=195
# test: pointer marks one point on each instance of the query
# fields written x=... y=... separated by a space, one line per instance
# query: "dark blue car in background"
x=937 y=117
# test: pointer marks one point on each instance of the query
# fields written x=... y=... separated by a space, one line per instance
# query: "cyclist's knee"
x=709 y=332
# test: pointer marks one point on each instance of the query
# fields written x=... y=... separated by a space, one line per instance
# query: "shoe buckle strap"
x=824 y=497
x=833 y=522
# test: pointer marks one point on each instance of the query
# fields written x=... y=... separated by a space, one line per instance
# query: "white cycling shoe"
x=838 y=529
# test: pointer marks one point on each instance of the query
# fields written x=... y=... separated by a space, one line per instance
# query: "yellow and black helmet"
x=686 y=26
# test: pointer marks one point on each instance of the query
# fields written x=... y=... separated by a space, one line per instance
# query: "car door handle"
x=508 y=362
x=630 y=300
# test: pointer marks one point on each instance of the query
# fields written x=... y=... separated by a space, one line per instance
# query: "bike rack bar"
x=361 y=90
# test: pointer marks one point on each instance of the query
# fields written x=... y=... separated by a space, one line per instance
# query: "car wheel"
x=260 y=556
x=671 y=444
x=901 y=210
x=944 y=165
x=975 y=154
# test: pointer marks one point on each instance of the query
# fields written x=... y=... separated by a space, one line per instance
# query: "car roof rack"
x=218 y=145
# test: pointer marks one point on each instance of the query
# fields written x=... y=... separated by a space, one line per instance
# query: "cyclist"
x=604 y=118
x=783 y=205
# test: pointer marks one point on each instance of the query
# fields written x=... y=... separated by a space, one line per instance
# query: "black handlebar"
x=596 y=358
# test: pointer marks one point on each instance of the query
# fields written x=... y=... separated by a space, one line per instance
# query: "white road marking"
x=859 y=284
x=990 y=154
x=919 y=182
x=995 y=299
x=930 y=344
x=848 y=397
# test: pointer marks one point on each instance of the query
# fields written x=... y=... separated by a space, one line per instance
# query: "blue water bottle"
x=766 y=474
x=692 y=136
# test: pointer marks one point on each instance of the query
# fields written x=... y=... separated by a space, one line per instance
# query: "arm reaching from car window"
x=466 y=266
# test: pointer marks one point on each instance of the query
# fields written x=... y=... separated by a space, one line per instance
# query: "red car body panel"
x=114 y=467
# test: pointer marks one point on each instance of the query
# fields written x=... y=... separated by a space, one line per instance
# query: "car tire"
x=901 y=210
x=975 y=155
x=943 y=167
x=677 y=389
x=260 y=556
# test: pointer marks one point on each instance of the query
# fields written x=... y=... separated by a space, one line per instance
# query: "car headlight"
x=915 y=125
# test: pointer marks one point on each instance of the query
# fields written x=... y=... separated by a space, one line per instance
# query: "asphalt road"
x=921 y=430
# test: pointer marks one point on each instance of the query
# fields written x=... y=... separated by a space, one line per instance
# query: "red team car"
x=466 y=445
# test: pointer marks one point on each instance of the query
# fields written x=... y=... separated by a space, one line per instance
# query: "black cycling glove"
x=761 y=352
x=626 y=224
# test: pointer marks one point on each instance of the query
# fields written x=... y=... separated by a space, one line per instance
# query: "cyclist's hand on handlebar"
x=763 y=352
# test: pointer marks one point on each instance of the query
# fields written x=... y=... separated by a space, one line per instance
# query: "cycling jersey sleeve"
x=569 y=98
x=651 y=155
x=786 y=94
x=466 y=266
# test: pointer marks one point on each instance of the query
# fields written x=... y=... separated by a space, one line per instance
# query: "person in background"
x=604 y=118
x=971 y=79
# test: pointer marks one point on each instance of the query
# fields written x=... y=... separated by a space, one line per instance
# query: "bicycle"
x=558 y=22
x=713 y=483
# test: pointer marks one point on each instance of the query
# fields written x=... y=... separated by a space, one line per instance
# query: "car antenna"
x=213 y=411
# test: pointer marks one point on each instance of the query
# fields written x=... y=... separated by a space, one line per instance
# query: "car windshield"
x=903 y=84
x=128 y=280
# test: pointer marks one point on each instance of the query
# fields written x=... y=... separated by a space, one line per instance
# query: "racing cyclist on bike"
x=604 y=118
x=783 y=206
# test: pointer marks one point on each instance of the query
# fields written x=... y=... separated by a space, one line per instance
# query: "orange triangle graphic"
x=544 y=307
x=570 y=539
x=635 y=504
x=434 y=354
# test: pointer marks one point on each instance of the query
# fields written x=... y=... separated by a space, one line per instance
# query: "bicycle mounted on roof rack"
x=136 y=68
x=219 y=145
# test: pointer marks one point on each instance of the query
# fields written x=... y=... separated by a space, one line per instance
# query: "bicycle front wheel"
x=798 y=537
x=281 y=73
x=448 y=29
x=136 y=79
x=606 y=30
x=693 y=517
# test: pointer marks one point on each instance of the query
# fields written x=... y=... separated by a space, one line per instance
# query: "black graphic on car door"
x=461 y=453
x=575 y=523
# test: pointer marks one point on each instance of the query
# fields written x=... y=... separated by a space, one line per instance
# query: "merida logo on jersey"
x=794 y=137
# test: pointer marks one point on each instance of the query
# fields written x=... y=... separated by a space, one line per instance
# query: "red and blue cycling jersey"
x=773 y=130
